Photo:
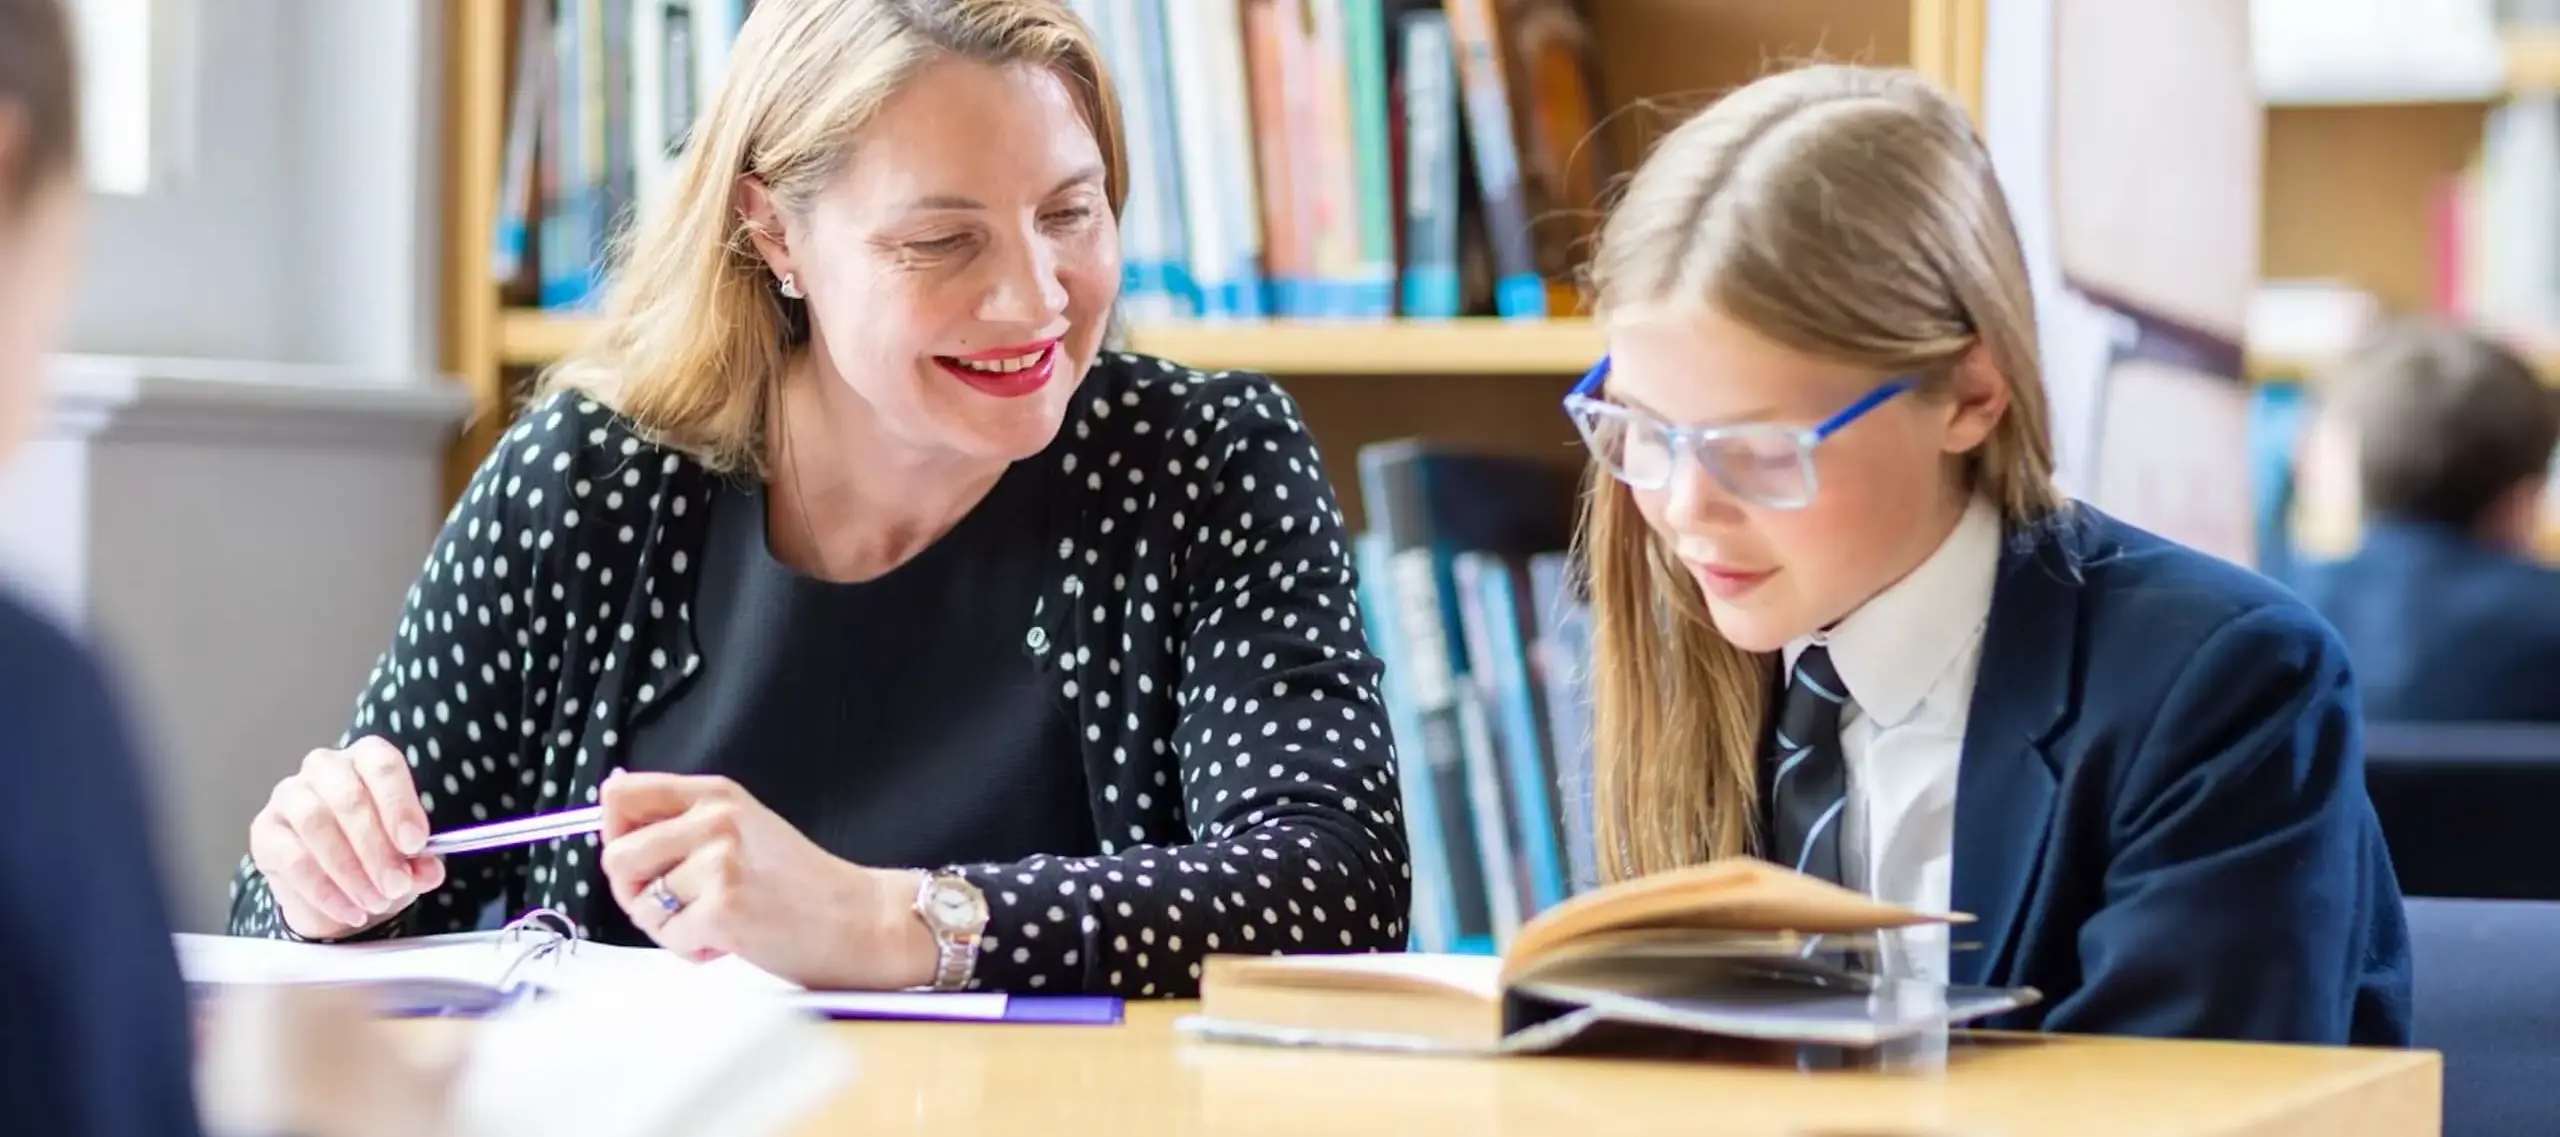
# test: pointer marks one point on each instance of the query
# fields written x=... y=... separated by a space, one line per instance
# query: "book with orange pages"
x=1738 y=948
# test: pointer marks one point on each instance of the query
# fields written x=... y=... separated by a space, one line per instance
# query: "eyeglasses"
x=1765 y=464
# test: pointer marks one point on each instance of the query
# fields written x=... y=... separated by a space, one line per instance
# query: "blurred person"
x=906 y=636
x=2443 y=607
x=94 y=1031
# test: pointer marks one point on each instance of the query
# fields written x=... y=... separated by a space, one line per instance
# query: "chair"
x=2469 y=809
x=2488 y=998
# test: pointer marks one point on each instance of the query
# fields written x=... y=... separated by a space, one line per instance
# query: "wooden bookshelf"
x=1470 y=346
x=2533 y=60
x=2306 y=370
x=1477 y=381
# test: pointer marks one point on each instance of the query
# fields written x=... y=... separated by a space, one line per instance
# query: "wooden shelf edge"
x=2305 y=369
x=1471 y=346
x=2533 y=59
x=531 y=337
x=1466 y=346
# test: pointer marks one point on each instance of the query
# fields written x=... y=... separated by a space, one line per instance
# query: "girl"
x=96 y=1016
x=1846 y=623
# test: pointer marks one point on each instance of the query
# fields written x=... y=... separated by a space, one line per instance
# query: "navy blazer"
x=97 y=1039
x=2161 y=821
x=2443 y=627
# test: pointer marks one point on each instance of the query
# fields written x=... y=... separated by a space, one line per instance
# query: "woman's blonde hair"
x=694 y=336
x=1846 y=212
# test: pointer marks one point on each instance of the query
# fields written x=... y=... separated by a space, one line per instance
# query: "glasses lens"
x=1768 y=468
x=1607 y=430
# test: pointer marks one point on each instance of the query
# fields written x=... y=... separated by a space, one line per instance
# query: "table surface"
x=1144 y=1078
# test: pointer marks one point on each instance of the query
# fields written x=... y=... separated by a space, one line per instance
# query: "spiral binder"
x=465 y=974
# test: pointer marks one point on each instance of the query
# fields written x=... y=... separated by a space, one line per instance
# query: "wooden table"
x=1143 y=1078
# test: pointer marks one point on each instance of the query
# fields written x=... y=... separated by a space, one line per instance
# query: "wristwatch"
x=956 y=913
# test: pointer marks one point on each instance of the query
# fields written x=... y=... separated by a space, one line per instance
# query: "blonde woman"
x=906 y=636
x=1846 y=622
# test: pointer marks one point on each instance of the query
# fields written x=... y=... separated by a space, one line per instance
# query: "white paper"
x=686 y=1061
x=484 y=958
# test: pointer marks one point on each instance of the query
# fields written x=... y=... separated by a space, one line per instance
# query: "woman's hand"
x=706 y=870
x=338 y=842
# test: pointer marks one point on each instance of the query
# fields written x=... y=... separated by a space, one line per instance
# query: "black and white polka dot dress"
x=1200 y=617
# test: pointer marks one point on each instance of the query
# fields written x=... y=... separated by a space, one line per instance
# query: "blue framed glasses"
x=1765 y=464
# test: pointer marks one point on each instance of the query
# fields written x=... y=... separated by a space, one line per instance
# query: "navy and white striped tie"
x=1808 y=777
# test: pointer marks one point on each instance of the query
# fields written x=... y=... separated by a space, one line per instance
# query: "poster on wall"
x=2127 y=139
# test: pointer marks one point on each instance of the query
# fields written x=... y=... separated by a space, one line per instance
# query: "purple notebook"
x=1065 y=1010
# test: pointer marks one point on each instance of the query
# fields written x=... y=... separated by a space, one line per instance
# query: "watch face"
x=955 y=907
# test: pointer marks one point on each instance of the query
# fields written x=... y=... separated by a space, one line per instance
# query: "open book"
x=477 y=973
x=1738 y=948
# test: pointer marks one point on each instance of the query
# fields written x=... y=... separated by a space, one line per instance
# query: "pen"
x=518 y=831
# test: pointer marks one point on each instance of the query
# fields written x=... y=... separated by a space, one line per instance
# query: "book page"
x=1474 y=975
x=1738 y=894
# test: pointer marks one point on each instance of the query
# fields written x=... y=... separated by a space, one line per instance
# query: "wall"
x=303 y=228
x=242 y=470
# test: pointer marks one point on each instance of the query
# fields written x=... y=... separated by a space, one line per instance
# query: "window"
x=136 y=58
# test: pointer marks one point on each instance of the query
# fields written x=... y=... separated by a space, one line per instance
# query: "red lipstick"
x=1005 y=384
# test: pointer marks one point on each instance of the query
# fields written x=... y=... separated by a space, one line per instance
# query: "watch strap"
x=956 y=951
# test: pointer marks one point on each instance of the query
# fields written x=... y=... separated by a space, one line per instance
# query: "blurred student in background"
x=1846 y=622
x=93 y=1017
x=2443 y=610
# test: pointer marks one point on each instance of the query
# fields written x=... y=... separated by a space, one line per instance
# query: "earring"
x=791 y=287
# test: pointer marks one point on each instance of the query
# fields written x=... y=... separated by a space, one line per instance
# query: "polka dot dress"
x=1201 y=620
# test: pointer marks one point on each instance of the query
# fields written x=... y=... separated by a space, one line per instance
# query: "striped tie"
x=1808 y=779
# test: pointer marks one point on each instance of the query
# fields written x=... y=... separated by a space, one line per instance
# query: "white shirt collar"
x=1895 y=647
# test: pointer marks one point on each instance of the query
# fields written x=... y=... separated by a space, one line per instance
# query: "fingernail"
x=411 y=837
x=393 y=882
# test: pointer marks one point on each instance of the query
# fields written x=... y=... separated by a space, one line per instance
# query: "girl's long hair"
x=1846 y=212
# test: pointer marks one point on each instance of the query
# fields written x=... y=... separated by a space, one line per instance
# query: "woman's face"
x=38 y=252
x=1887 y=483
x=961 y=268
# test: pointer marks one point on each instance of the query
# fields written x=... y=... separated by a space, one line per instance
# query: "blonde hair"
x=1846 y=212
x=694 y=337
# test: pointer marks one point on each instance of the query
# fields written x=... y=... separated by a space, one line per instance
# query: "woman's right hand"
x=339 y=842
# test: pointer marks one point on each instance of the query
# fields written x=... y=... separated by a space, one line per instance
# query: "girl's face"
x=1889 y=485
x=39 y=243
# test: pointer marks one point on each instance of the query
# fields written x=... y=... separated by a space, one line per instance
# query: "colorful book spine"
x=1519 y=292
x=1154 y=78
x=1428 y=75
x=1364 y=27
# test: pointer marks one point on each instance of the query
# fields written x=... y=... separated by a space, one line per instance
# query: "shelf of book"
x=1463 y=346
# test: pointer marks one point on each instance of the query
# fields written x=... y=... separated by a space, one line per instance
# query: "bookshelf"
x=1477 y=380
x=2354 y=191
x=2355 y=187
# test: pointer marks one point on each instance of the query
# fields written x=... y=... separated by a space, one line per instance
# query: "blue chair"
x=2488 y=997
x=2469 y=810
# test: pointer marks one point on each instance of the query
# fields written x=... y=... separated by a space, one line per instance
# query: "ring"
x=666 y=900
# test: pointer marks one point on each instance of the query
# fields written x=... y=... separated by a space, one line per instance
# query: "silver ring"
x=666 y=900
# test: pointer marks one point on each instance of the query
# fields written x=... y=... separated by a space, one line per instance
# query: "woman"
x=905 y=636
x=96 y=1015
x=1846 y=622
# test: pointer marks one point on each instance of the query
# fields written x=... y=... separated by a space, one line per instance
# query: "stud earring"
x=791 y=287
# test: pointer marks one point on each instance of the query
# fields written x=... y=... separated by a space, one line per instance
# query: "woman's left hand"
x=706 y=870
